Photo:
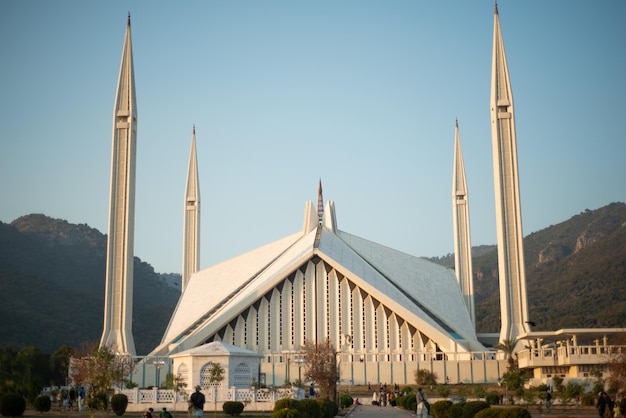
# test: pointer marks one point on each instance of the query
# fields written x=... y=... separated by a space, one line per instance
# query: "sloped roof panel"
x=209 y=287
x=405 y=279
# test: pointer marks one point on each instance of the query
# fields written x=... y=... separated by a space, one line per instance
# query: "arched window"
x=205 y=376
x=242 y=378
x=182 y=374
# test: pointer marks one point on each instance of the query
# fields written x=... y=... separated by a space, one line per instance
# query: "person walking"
x=197 y=401
x=422 y=404
x=601 y=404
x=81 y=399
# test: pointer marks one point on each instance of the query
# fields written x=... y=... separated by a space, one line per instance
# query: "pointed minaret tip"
x=495 y=7
x=194 y=128
x=320 y=201
x=128 y=19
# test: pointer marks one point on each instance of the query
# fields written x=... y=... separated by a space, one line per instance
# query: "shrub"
x=119 y=402
x=12 y=405
x=440 y=409
x=456 y=410
x=409 y=402
x=310 y=408
x=345 y=401
x=492 y=398
x=489 y=413
x=99 y=401
x=480 y=392
x=470 y=409
x=407 y=389
x=286 y=403
x=286 y=413
x=42 y=403
x=232 y=408
x=443 y=391
x=328 y=408
x=514 y=412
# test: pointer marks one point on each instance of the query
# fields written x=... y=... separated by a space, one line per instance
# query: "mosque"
x=387 y=313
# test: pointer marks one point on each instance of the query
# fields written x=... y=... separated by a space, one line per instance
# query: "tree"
x=101 y=369
x=32 y=371
x=216 y=375
x=508 y=348
x=425 y=377
x=617 y=367
x=321 y=367
x=60 y=363
x=175 y=382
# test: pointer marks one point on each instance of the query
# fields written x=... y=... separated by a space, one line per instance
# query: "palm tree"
x=508 y=347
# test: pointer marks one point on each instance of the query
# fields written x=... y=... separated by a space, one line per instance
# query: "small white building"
x=240 y=365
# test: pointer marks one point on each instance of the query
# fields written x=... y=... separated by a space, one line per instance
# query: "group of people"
x=384 y=398
x=610 y=407
x=69 y=398
x=197 y=405
x=164 y=413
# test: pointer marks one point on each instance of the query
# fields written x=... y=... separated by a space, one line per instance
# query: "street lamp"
x=299 y=360
x=158 y=363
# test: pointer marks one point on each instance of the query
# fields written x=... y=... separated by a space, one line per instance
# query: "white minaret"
x=191 y=219
x=118 y=299
x=460 y=217
x=513 y=306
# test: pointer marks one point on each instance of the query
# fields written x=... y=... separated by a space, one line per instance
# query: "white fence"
x=254 y=400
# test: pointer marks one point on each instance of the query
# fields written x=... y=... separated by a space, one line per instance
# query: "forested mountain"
x=575 y=274
x=52 y=281
x=52 y=276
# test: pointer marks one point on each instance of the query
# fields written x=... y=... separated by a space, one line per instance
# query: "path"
x=366 y=411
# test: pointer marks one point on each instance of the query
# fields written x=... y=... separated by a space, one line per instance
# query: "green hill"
x=52 y=287
x=575 y=274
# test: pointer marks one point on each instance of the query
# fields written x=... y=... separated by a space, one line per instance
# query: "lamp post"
x=158 y=363
x=300 y=360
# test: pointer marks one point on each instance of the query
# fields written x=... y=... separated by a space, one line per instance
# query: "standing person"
x=375 y=399
x=601 y=404
x=312 y=391
x=81 y=399
x=422 y=404
x=72 y=397
x=148 y=413
x=548 y=399
x=197 y=401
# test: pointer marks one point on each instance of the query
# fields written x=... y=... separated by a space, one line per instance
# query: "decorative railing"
x=567 y=355
x=169 y=396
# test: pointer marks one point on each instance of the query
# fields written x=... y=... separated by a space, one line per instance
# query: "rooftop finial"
x=496 y=7
x=194 y=128
x=128 y=18
x=320 y=201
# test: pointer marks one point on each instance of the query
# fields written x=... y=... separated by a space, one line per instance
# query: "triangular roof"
x=421 y=292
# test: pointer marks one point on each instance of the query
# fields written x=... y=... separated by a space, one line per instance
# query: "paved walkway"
x=365 y=411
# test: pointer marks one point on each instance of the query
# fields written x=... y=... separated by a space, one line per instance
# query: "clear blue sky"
x=362 y=94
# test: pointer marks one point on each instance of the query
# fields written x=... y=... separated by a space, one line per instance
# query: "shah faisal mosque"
x=386 y=312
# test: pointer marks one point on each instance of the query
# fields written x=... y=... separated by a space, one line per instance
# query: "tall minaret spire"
x=460 y=217
x=118 y=304
x=320 y=202
x=513 y=305
x=191 y=220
